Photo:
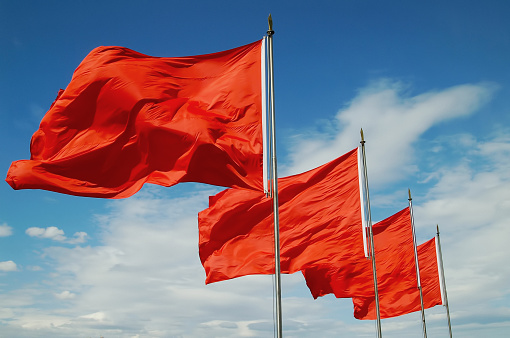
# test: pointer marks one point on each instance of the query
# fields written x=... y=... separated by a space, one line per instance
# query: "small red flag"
x=398 y=301
x=127 y=119
x=394 y=256
x=320 y=220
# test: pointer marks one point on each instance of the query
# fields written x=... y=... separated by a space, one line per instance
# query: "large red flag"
x=320 y=220
x=127 y=118
x=398 y=301
x=393 y=245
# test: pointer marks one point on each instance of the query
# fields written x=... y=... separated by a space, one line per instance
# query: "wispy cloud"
x=470 y=201
x=34 y=268
x=392 y=121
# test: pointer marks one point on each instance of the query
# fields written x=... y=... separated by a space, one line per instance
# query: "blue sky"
x=428 y=82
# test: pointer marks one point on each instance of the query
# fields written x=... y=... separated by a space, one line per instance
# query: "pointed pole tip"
x=270 y=23
x=409 y=192
x=362 y=136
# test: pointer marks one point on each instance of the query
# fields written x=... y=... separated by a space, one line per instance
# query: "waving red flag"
x=127 y=119
x=320 y=219
x=394 y=256
x=399 y=301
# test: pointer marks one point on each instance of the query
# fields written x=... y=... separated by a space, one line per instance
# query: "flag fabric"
x=126 y=119
x=319 y=219
x=398 y=301
x=394 y=256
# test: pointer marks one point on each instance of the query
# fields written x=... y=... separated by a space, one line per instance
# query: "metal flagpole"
x=444 y=282
x=278 y=292
x=371 y=234
x=424 y=326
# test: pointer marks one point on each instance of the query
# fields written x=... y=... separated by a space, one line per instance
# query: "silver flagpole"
x=278 y=291
x=371 y=234
x=424 y=326
x=444 y=282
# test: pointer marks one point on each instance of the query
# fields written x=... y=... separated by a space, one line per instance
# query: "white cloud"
x=53 y=233
x=5 y=230
x=56 y=234
x=99 y=316
x=78 y=237
x=8 y=266
x=65 y=295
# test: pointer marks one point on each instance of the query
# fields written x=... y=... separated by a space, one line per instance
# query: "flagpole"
x=371 y=234
x=423 y=324
x=444 y=282
x=278 y=292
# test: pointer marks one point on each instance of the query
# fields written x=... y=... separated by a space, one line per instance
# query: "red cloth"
x=399 y=301
x=394 y=256
x=127 y=118
x=319 y=216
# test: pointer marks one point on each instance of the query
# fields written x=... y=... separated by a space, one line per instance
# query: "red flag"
x=320 y=219
x=393 y=245
x=398 y=301
x=127 y=119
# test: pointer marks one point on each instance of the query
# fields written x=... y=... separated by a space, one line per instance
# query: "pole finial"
x=362 y=136
x=409 y=191
x=437 y=227
x=270 y=23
